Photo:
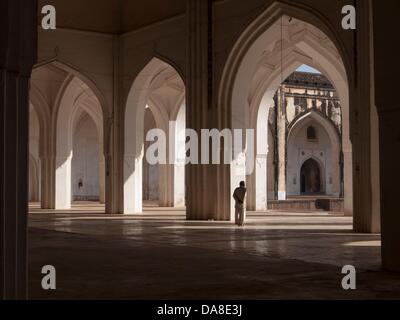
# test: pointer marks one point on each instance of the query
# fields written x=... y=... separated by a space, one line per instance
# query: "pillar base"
x=281 y=195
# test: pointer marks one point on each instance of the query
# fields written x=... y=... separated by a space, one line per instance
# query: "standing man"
x=239 y=195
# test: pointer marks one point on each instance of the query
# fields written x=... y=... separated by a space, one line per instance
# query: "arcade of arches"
x=289 y=72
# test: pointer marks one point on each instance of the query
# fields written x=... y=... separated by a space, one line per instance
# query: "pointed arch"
x=74 y=98
x=303 y=120
x=326 y=151
x=80 y=74
x=251 y=39
x=147 y=80
x=264 y=33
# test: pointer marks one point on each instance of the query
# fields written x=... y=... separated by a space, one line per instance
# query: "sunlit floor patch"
x=371 y=243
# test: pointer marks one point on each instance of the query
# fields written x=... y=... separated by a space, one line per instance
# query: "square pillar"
x=387 y=70
x=17 y=55
x=208 y=192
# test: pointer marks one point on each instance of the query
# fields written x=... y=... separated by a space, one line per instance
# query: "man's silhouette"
x=239 y=195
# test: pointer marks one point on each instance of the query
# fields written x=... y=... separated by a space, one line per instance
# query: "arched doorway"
x=155 y=103
x=265 y=55
x=314 y=136
x=310 y=178
x=66 y=102
x=80 y=164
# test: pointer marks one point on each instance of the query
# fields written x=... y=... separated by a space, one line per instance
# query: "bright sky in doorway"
x=305 y=68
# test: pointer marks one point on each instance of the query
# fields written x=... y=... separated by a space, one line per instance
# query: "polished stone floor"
x=160 y=255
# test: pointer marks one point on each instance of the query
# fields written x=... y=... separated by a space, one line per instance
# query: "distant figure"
x=239 y=196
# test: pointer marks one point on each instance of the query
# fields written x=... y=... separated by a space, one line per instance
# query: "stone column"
x=166 y=185
x=197 y=103
x=113 y=139
x=281 y=146
x=387 y=70
x=166 y=174
x=63 y=190
x=375 y=219
x=171 y=185
x=102 y=179
x=47 y=181
x=132 y=186
x=172 y=175
x=17 y=55
x=113 y=194
x=208 y=194
x=366 y=193
x=257 y=185
x=179 y=185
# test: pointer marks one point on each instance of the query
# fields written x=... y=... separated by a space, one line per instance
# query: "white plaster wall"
x=85 y=160
x=323 y=150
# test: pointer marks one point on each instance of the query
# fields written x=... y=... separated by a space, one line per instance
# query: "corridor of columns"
x=120 y=218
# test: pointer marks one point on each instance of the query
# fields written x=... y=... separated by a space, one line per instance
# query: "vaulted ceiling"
x=112 y=16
